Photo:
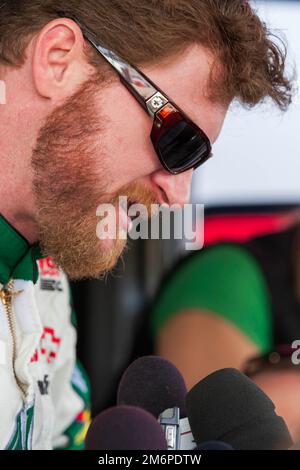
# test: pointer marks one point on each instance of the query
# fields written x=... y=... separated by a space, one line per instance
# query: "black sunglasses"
x=179 y=143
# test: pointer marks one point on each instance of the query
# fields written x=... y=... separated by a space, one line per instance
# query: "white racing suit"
x=44 y=395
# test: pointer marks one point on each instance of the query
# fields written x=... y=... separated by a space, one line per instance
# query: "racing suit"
x=44 y=394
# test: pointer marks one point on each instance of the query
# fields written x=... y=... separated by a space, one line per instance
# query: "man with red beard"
x=74 y=136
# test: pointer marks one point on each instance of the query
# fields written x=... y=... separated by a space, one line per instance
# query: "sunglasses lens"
x=182 y=146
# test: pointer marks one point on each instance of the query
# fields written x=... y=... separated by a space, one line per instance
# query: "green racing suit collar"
x=18 y=259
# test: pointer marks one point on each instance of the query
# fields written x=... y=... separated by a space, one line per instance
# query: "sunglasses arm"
x=145 y=92
x=137 y=84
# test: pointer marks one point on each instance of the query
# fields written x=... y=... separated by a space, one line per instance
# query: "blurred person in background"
x=237 y=304
x=74 y=137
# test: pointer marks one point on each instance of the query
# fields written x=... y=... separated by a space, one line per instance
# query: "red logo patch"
x=48 y=347
x=47 y=267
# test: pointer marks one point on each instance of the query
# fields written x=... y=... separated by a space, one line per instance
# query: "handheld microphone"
x=156 y=385
x=214 y=445
x=125 y=428
x=228 y=406
x=170 y=423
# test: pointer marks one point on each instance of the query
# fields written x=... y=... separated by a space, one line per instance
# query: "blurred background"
x=255 y=169
x=257 y=156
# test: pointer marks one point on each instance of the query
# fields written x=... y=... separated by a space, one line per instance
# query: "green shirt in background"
x=225 y=280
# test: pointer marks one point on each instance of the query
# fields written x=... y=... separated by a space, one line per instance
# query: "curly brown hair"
x=250 y=61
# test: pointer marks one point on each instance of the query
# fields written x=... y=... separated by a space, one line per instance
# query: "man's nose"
x=174 y=189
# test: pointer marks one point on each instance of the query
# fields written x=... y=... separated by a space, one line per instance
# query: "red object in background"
x=243 y=227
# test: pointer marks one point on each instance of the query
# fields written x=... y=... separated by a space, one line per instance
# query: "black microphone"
x=125 y=428
x=214 y=445
x=228 y=406
x=156 y=385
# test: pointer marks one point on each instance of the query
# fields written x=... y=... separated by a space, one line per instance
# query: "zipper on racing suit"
x=6 y=296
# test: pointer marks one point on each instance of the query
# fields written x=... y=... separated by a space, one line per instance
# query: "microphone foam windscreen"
x=229 y=407
x=154 y=384
x=214 y=445
x=125 y=428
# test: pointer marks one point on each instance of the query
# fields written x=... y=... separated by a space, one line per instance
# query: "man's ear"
x=59 y=64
